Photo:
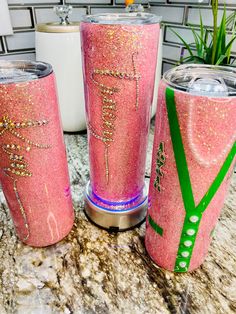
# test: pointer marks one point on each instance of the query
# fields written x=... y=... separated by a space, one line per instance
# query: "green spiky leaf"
x=210 y=47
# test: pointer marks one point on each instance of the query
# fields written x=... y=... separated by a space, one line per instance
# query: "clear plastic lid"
x=135 y=18
x=206 y=80
x=22 y=71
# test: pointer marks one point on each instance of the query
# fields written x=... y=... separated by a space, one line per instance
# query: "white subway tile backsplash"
x=227 y=2
x=19 y=56
x=20 y=41
x=137 y=1
x=21 y=18
x=190 y=1
x=171 y=52
x=169 y=14
x=185 y=53
x=183 y=32
x=26 y=13
x=194 y=17
x=77 y=14
x=45 y=15
x=233 y=61
x=23 y=2
x=107 y=10
x=89 y=2
x=167 y=66
x=229 y=37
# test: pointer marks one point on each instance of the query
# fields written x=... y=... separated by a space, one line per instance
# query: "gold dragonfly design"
x=18 y=166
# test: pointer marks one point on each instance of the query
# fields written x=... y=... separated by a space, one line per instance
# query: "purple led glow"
x=132 y=200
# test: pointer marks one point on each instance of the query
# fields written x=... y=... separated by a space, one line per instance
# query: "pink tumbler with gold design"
x=119 y=53
x=33 y=165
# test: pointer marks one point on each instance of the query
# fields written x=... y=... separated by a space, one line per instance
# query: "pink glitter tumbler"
x=193 y=157
x=33 y=165
x=119 y=52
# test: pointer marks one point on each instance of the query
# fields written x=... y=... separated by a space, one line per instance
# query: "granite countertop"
x=92 y=271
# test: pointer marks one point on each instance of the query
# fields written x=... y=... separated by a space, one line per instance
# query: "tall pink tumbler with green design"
x=193 y=157
x=119 y=53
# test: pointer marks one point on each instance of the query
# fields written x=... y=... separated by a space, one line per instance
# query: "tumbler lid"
x=134 y=18
x=22 y=71
x=64 y=26
x=72 y=27
x=203 y=80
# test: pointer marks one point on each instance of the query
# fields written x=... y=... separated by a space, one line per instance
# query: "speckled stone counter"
x=92 y=271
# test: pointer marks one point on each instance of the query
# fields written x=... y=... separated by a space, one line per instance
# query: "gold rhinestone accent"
x=109 y=106
x=18 y=166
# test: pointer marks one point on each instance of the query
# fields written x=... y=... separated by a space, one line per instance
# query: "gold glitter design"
x=109 y=106
x=18 y=166
x=124 y=38
x=160 y=162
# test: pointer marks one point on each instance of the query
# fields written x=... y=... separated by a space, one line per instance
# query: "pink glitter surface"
x=208 y=132
x=119 y=59
x=45 y=195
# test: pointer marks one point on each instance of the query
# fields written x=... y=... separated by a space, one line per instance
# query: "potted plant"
x=211 y=46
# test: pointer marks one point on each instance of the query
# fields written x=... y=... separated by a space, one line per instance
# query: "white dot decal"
x=188 y=243
x=194 y=218
x=182 y=264
x=190 y=232
x=185 y=254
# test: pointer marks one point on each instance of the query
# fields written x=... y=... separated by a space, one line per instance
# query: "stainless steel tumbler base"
x=116 y=220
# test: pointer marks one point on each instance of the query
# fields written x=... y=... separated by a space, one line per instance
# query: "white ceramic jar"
x=59 y=45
